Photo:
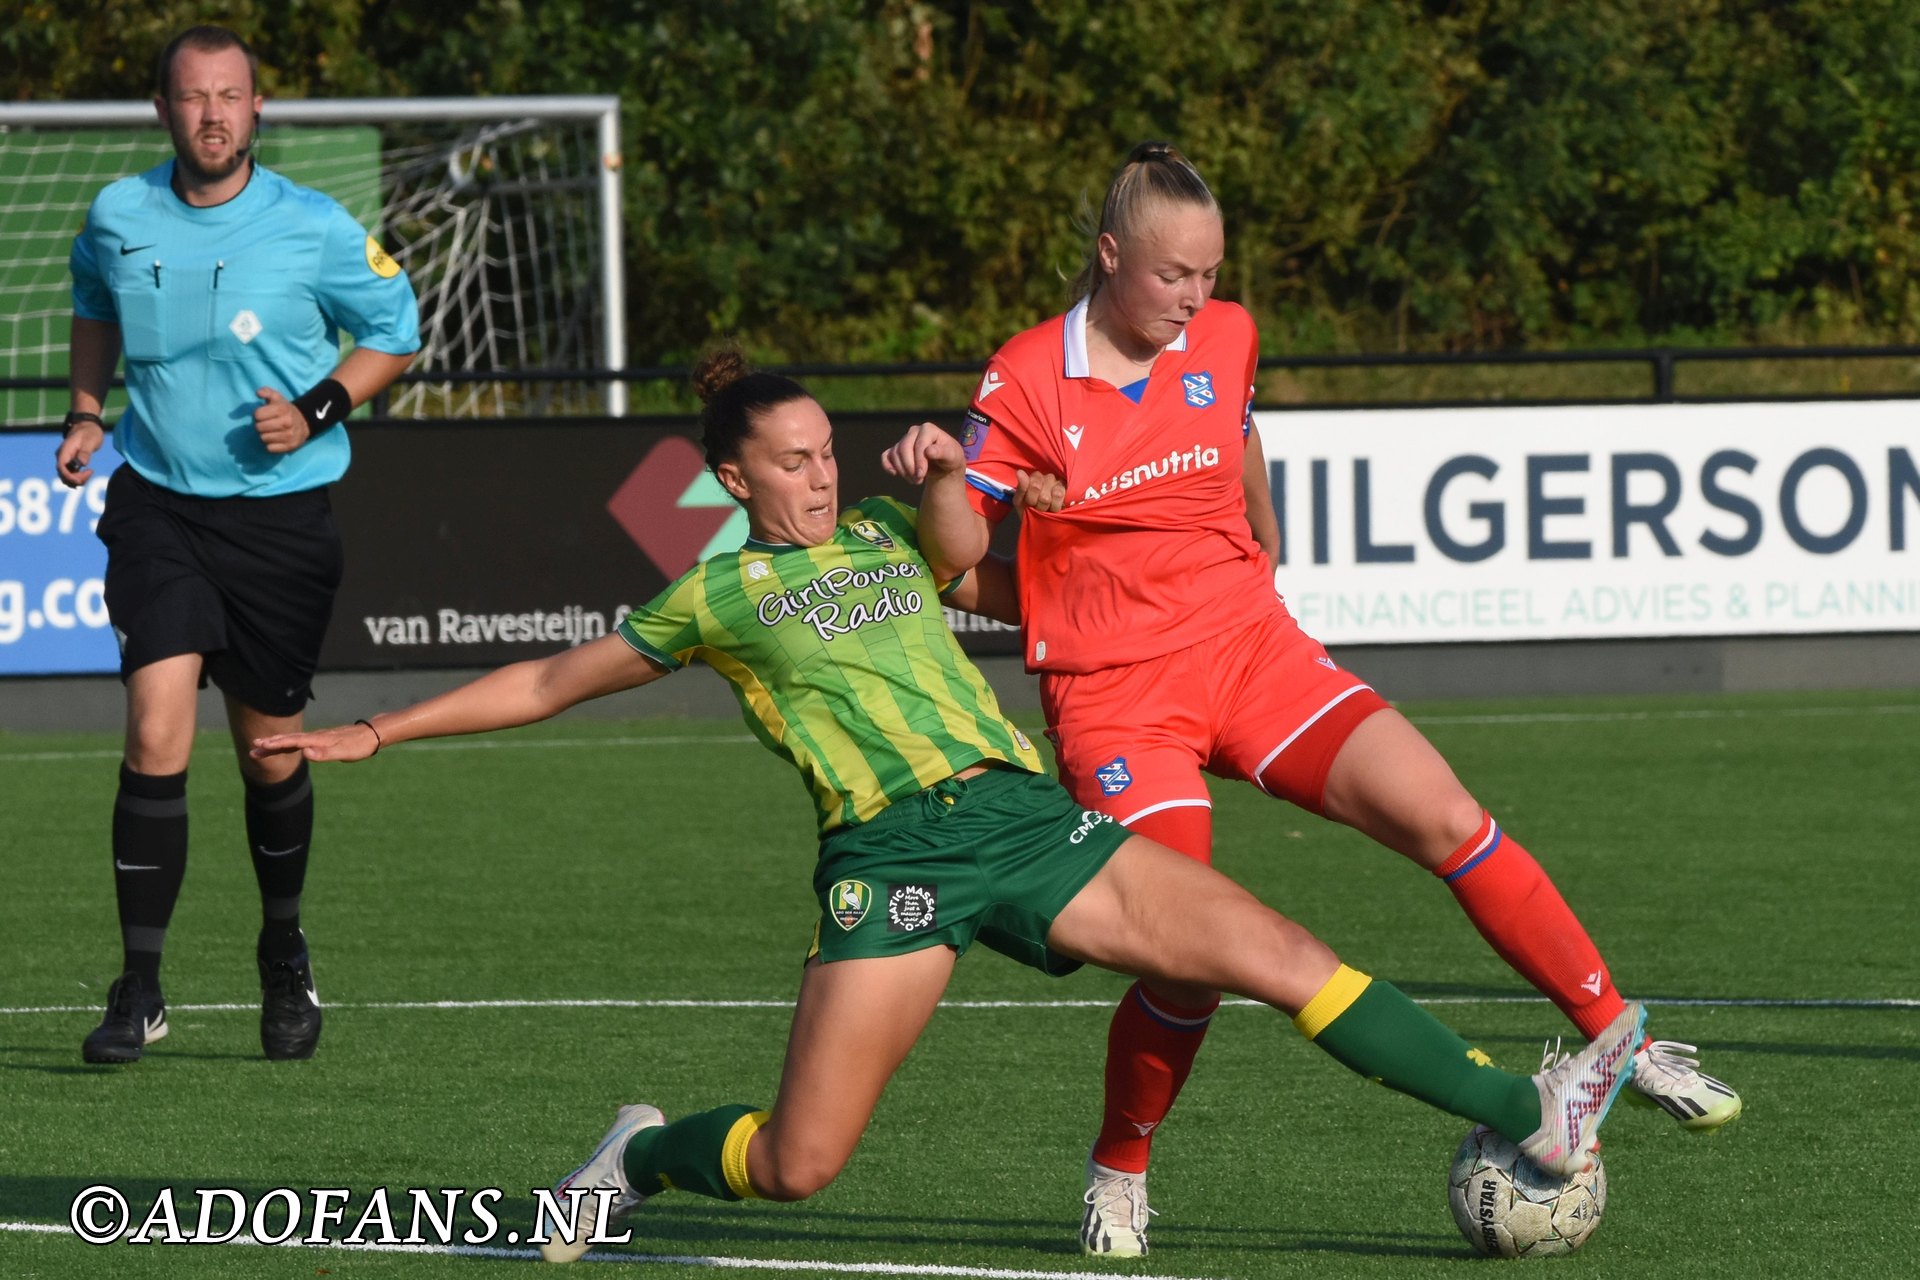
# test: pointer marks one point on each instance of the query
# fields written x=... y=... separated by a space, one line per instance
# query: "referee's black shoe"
x=289 y=1009
x=136 y=1017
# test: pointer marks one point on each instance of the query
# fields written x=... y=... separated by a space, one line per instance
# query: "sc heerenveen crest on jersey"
x=1199 y=387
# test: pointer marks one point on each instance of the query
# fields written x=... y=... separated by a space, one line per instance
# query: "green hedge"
x=894 y=180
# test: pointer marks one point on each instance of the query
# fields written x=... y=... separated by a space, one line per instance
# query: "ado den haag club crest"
x=848 y=900
x=872 y=531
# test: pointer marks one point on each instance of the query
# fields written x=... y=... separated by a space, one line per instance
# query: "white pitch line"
x=1491 y=718
x=458 y=744
x=652 y=1259
x=1697 y=713
x=503 y=744
x=1693 y=1002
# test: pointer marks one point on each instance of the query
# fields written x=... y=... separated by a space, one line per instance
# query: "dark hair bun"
x=1153 y=151
x=716 y=371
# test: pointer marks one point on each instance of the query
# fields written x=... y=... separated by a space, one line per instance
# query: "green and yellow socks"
x=704 y=1153
x=1371 y=1027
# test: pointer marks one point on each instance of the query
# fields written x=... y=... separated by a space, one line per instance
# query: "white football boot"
x=605 y=1168
x=1666 y=1074
x=1117 y=1211
x=1576 y=1092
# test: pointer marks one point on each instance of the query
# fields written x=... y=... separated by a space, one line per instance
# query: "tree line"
x=908 y=179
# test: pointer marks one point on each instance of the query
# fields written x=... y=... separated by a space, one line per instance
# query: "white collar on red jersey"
x=1078 y=366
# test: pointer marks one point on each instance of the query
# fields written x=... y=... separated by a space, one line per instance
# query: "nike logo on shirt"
x=126 y=249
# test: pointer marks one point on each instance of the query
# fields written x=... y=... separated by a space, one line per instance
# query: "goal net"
x=504 y=212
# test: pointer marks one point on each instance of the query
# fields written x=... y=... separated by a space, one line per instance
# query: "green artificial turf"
x=1746 y=865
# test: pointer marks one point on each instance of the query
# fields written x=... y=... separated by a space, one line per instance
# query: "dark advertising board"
x=471 y=544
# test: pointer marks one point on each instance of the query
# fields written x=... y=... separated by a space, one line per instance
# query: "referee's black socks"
x=279 y=828
x=149 y=862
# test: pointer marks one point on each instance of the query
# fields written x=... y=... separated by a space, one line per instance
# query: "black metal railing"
x=1660 y=385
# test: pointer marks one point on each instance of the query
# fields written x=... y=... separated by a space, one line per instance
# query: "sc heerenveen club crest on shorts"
x=848 y=900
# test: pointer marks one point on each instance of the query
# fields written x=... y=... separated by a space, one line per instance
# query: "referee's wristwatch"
x=77 y=416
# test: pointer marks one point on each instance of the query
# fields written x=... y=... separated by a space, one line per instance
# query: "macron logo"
x=988 y=385
x=1073 y=435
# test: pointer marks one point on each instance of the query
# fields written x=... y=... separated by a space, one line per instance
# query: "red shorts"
x=1262 y=703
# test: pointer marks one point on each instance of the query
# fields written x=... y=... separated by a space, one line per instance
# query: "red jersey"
x=1152 y=552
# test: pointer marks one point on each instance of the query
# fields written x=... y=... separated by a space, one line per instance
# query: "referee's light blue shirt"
x=214 y=304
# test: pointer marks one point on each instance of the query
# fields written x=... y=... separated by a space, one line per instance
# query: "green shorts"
x=994 y=858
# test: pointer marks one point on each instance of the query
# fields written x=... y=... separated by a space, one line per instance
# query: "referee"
x=226 y=288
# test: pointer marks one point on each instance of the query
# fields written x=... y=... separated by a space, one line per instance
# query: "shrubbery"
x=894 y=180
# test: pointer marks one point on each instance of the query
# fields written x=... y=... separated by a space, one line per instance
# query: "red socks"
x=1515 y=907
x=1151 y=1041
x=1150 y=1047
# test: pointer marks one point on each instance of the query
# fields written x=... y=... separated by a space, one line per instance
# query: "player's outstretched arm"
x=953 y=536
x=513 y=695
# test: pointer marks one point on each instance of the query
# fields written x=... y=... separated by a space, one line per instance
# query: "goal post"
x=505 y=212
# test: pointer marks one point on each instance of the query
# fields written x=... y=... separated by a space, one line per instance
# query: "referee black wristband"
x=77 y=416
x=325 y=406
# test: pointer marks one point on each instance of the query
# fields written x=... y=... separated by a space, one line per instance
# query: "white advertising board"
x=1421 y=525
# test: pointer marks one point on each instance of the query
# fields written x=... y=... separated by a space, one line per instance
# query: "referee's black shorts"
x=248 y=582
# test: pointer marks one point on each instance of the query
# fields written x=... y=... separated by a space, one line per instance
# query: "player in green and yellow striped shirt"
x=890 y=704
x=938 y=828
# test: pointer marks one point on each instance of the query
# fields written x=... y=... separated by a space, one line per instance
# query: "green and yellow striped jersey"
x=841 y=659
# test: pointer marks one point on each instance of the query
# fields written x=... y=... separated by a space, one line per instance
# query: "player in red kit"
x=1164 y=653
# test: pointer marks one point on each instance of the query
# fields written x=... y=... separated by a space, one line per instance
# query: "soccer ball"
x=1509 y=1207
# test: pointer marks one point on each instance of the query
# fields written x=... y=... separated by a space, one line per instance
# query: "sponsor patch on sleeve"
x=381 y=264
x=973 y=434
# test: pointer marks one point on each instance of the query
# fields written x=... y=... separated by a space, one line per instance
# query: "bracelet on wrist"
x=377 y=741
x=77 y=416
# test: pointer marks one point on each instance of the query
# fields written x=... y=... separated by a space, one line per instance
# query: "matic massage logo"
x=674 y=509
